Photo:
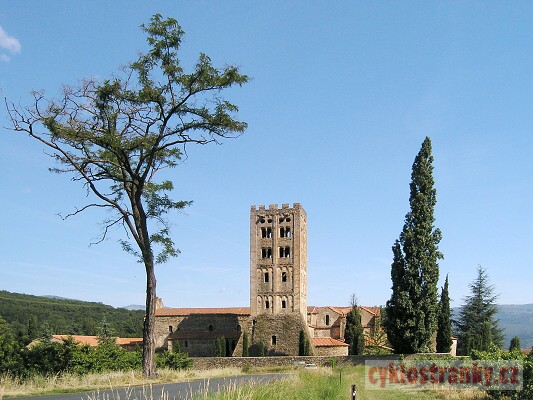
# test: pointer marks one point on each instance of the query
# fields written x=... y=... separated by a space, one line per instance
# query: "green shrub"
x=174 y=360
x=494 y=353
x=51 y=358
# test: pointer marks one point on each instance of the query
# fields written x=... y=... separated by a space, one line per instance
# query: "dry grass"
x=464 y=394
x=318 y=384
x=65 y=383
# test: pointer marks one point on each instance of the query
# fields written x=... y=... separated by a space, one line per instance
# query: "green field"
x=330 y=384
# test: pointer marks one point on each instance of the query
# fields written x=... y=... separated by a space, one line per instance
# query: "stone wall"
x=279 y=334
x=203 y=363
x=197 y=333
x=331 y=351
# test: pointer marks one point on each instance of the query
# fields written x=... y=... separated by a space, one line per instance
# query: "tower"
x=278 y=260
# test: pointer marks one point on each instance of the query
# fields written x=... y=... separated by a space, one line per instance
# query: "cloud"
x=11 y=44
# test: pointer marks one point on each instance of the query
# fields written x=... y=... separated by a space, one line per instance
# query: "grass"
x=326 y=383
x=323 y=383
x=68 y=383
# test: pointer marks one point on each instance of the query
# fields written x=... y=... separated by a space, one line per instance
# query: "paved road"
x=172 y=391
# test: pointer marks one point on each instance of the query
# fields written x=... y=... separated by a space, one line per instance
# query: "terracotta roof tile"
x=373 y=310
x=79 y=339
x=93 y=340
x=327 y=342
x=129 y=341
x=170 y=312
x=343 y=310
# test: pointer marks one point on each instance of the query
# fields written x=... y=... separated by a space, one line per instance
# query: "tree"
x=304 y=346
x=32 y=327
x=412 y=308
x=5 y=330
x=10 y=352
x=515 y=344
x=444 y=324
x=220 y=347
x=245 y=349
x=477 y=326
x=301 y=343
x=105 y=334
x=46 y=332
x=353 y=332
x=376 y=339
x=114 y=136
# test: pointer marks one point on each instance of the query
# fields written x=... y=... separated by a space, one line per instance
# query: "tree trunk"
x=149 y=368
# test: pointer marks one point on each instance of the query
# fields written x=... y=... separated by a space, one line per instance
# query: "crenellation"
x=273 y=207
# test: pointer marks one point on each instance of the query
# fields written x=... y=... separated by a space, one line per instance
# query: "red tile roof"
x=373 y=310
x=129 y=341
x=171 y=312
x=79 y=339
x=93 y=340
x=343 y=310
x=327 y=342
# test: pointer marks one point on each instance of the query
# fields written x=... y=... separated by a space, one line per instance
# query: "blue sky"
x=341 y=97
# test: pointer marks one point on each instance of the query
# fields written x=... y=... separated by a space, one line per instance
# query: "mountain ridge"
x=65 y=316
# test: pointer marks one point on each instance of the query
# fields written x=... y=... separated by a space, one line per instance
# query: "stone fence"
x=202 y=363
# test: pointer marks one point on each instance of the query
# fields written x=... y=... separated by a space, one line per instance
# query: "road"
x=164 y=391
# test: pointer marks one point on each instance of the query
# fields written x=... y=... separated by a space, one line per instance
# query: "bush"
x=51 y=358
x=174 y=360
x=11 y=361
x=494 y=353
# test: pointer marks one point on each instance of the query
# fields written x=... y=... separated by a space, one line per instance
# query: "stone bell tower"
x=278 y=260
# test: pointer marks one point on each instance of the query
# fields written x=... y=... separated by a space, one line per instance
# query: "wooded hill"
x=516 y=320
x=74 y=317
x=68 y=317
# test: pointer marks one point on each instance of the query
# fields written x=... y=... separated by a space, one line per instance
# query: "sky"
x=341 y=97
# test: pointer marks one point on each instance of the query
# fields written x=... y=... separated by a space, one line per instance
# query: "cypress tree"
x=307 y=347
x=245 y=344
x=444 y=325
x=304 y=345
x=261 y=349
x=220 y=347
x=515 y=344
x=301 y=344
x=412 y=308
x=353 y=332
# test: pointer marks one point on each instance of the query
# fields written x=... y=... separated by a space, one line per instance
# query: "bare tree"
x=114 y=136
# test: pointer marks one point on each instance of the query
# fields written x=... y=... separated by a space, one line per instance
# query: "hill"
x=69 y=317
x=516 y=320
